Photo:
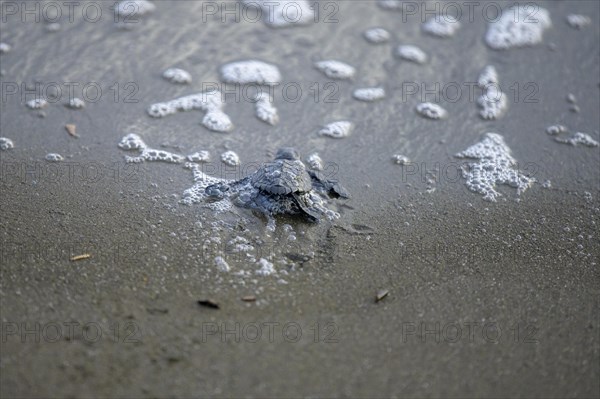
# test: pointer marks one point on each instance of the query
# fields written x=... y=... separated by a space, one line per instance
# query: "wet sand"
x=484 y=299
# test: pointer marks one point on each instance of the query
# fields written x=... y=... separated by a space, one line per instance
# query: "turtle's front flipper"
x=331 y=187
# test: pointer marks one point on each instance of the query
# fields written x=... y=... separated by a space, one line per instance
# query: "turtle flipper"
x=313 y=213
x=331 y=187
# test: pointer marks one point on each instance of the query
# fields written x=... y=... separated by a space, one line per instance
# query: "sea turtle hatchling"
x=282 y=186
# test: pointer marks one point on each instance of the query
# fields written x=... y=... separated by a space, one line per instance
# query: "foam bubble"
x=377 y=35
x=130 y=8
x=495 y=165
x=221 y=264
x=314 y=161
x=518 y=26
x=337 y=130
x=132 y=142
x=197 y=194
x=265 y=110
x=579 y=138
x=230 y=158
x=283 y=13
x=6 y=144
x=431 y=111
x=266 y=267
x=369 y=94
x=488 y=77
x=54 y=157
x=411 y=53
x=578 y=21
x=4 y=48
x=177 y=75
x=200 y=156
x=335 y=69
x=441 y=26
x=555 y=130
x=37 y=103
x=395 y=5
x=251 y=71
x=400 y=159
x=76 y=103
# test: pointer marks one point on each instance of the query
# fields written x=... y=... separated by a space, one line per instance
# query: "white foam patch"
x=266 y=268
x=37 y=103
x=519 y=26
x=76 y=103
x=265 y=110
x=335 y=69
x=177 y=75
x=131 y=8
x=283 y=13
x=54 y=157
x=578 y=21
x=210 y=102
x=579 y=138
x=369 y=94
x=200 y=156
x=377 y=35
x=230 y=158
x=337 y=130
x=411 y=53
x=441 y=26
x=6 y=144
x=314 y=161
x=133 y=142
x=495 y=165
x=431 y=111
x=555 y=130
x=4 y=48
x=251 y=71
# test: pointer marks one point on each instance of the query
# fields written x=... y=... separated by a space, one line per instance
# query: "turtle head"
x=287 y=153
x=216 y=192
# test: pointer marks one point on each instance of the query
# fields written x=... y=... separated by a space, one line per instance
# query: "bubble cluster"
x=495 y=166
x=400 y=159
x=283 y=13
x=200 y=156
x=132 y=142
x=431 y=111
x=6 y=144
x=411 y=53
x=396 y=5
x=4 y=48
x=131 y=8
x=314 y=161
x=266 y=268
x=493 y=101
x=210 y=102
x=518 y=27
x=555 y=130
x=265 y=110
x=251 y=71
x=377 y=35
x=221 y=264
x=578 y=21
x=335 y=69
x=579 y=138
x=197 y=194
x=441 y=26
x=369 y=94
x=337 y=130
x=37 y=103
x=54 y=157
x=76 y=103
x=230 y=158
x=177 y=75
